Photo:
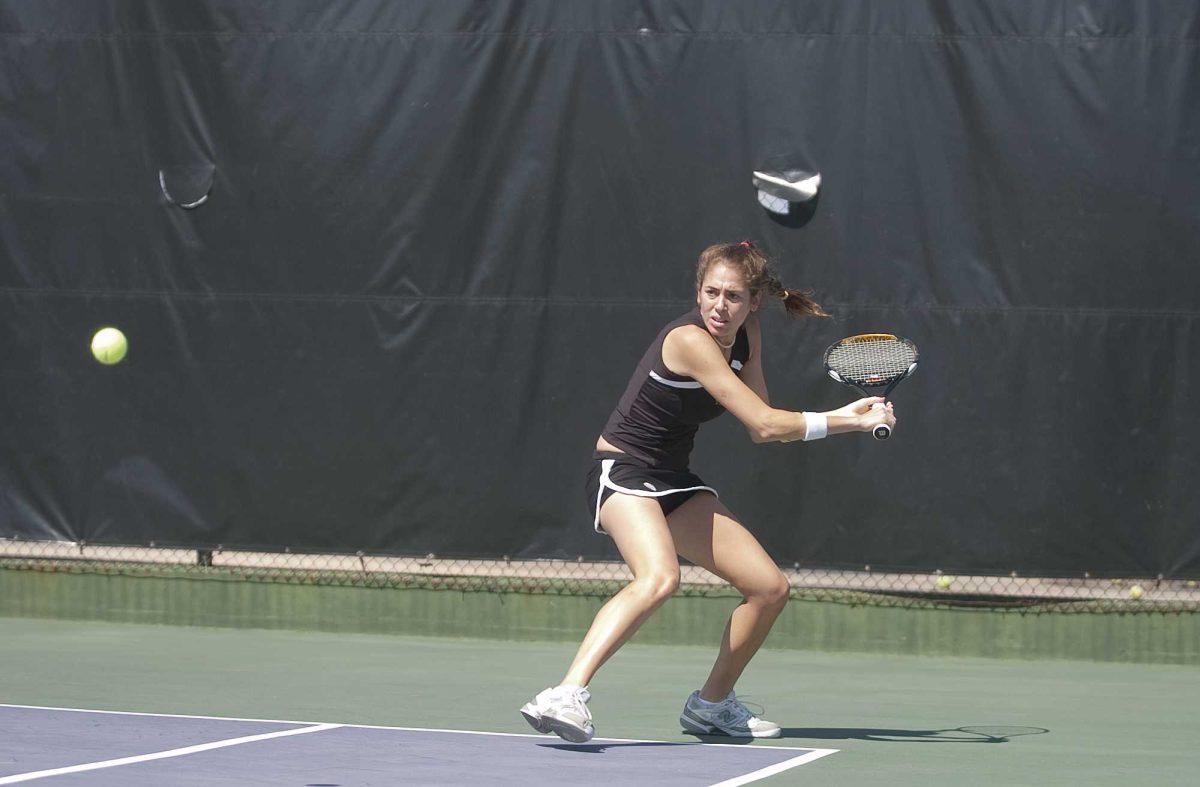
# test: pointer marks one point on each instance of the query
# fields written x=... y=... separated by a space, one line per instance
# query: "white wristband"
x=816 y=426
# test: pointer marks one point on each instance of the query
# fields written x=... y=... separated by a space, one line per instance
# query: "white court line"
x=779 y=767
x=403 y=729
x=158 y=755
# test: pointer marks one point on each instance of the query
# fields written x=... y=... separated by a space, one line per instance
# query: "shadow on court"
x=600 y=748
x=967 y=734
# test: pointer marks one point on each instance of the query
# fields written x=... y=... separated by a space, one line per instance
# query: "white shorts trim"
x=606 y=466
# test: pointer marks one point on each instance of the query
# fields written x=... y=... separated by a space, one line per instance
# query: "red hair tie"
x=745 y=243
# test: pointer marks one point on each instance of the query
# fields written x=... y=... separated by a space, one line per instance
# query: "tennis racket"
x=872 y=360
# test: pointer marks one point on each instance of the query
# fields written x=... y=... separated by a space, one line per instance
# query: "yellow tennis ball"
x=944 y=582
x=109 y=346
x=1135 y=592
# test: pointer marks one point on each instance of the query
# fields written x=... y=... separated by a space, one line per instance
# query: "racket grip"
x=882 y=431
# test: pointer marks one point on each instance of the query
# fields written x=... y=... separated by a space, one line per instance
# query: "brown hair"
x=756 y=269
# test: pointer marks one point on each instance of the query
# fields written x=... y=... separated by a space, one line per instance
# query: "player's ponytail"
x=798 y=303
x=760 y=278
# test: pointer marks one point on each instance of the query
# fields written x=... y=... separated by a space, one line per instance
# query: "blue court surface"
x=70 y=746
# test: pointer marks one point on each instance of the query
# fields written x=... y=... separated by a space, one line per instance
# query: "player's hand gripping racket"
x=872 y=360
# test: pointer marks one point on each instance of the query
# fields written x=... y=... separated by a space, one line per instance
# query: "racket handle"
x=882 y=431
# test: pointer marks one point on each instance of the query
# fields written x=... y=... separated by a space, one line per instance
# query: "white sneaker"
x=727 y=717
x=562 y=710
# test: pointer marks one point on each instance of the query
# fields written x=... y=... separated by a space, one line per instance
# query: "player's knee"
x=660 y=585
x=773 y=593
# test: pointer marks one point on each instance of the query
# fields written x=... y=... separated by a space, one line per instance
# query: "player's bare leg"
x=707 y=534
x=639 y=529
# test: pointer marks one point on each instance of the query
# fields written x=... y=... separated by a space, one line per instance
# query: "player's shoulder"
x=753 y=327
x=688 y=337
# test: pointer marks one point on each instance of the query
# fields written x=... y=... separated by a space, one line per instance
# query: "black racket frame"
x=882 y=431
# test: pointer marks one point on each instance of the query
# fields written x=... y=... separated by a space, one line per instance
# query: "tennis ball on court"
x=1135 y=592
x=109 y=346
x=944 y=582
x=1191 y=583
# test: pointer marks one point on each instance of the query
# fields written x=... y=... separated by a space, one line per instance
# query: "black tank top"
x=658 y=416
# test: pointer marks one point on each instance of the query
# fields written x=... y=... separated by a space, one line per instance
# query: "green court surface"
x=894 y=719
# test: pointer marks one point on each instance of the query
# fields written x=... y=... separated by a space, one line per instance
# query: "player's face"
x=725 y=301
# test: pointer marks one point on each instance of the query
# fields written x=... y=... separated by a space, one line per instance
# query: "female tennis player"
x=641 y=492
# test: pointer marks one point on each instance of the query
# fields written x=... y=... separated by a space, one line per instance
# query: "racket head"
x=871 y=360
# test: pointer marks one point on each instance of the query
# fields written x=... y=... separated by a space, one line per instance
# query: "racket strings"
x=873 y=361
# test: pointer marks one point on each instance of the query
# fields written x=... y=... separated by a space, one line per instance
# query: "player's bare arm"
x=690 y=351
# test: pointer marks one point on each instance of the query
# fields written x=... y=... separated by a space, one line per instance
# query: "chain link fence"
x=601 y=579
